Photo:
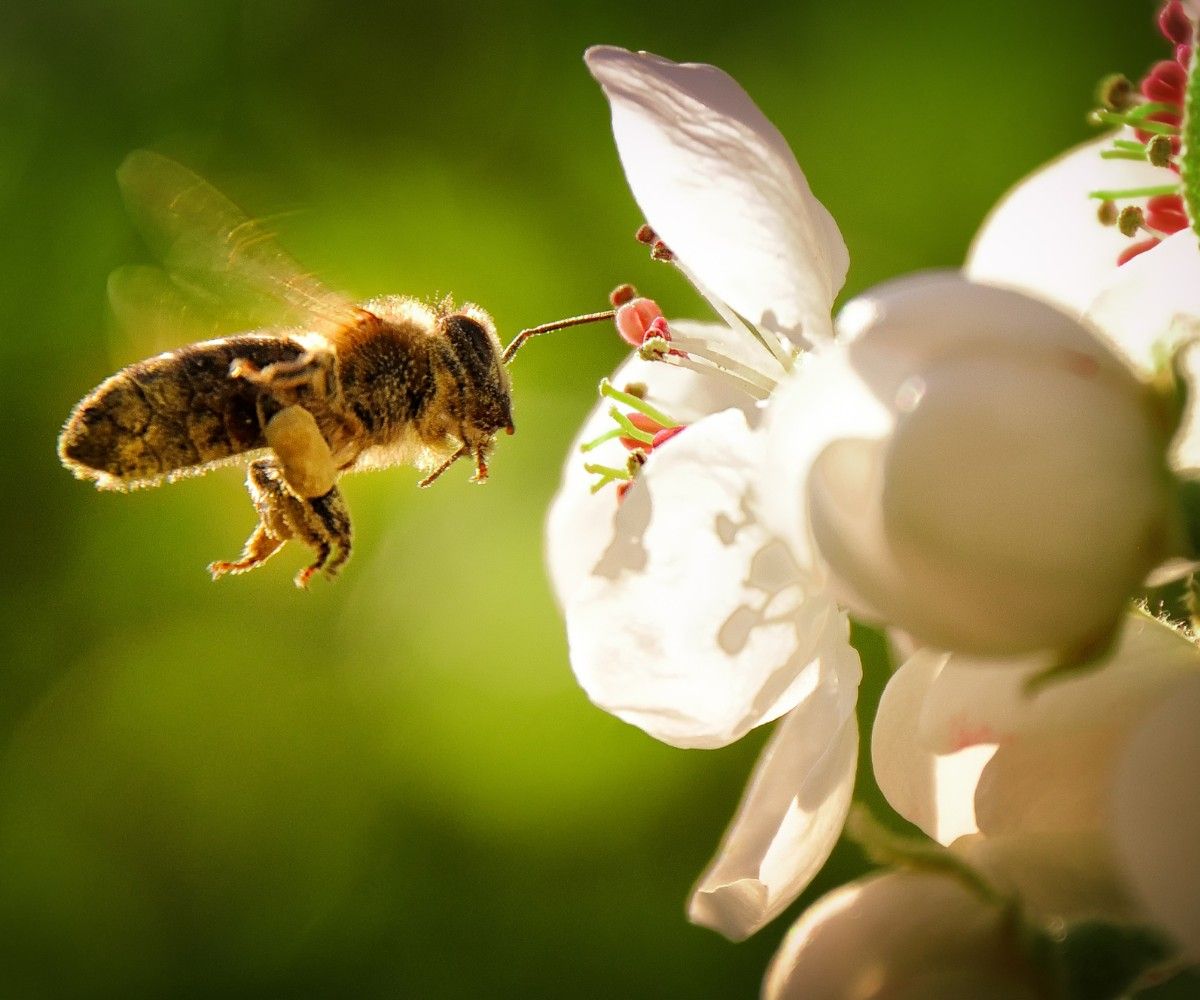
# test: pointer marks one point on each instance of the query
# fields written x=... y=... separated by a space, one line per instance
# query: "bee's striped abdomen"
x=177 y=413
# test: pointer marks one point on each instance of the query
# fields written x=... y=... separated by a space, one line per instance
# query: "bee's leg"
x=481 y=468
x=322 y=523
x=280 y=376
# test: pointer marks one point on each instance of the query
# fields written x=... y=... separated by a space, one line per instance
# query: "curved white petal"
x=934 y=791
x=900 y=936
x=1157 y=814
x=1152 y=303
x=692 y=624
x=792 y=813
x=718 y=184
x=822 y=399
x=1044 y=238
x=579 y=525
x=974 y=701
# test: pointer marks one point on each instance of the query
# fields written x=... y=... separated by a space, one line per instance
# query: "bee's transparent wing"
x=217 y=262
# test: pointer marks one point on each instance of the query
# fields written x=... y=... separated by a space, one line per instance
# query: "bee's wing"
x=215 y=257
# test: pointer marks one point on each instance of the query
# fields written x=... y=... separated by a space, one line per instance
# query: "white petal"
x=1152 y=302
x=692 y=624
x=720 y=186
x=822 y=399
x=900 y=936
x=1044 y=238
x=579 y=526
x=980 y=701
x=934 y=791
x=789 y=820
x=1157 y=815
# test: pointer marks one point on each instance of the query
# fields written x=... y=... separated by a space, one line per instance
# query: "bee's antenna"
x=561 y=324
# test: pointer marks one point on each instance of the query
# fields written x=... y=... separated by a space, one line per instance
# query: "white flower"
x=1043 y=239
x=972 y=447
x=685 y=615
x=1080 y=798
x=903 y=936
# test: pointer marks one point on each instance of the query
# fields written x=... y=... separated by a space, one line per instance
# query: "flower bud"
x=904 y=936
x=1006 y=490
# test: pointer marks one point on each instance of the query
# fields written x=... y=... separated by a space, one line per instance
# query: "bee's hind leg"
x=322 y=523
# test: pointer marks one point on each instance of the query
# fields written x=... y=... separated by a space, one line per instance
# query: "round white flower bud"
x=903 y=936
x=1002 y=486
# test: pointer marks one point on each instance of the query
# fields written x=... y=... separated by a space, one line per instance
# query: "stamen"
x=1134 y=120
x=628 y=428
x=704 y=368
x=1143 y=192
x=735 y=322
x=1116 y=92
x=1107 y=213
x=1160 y=150
x=608 y=390
x=1130 y=220
x=646 y=235
x=698 y=349
x=608 y=435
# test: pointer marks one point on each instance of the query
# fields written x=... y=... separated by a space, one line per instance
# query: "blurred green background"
x=392 y=787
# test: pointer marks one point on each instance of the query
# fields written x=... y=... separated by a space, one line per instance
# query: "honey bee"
x=335 y=386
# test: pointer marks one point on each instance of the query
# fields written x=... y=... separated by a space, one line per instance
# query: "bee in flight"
x=334 y=386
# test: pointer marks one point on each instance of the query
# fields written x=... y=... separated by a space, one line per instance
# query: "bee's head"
x=472 y=337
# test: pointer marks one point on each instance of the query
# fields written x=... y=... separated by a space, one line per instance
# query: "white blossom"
x=1079 y=798
x=685 y=615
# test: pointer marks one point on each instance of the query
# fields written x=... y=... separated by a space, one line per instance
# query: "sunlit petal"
x=1043 y=237
x=790 y=818
x=579 y=526
x=1157 y=814
x=692 y=624
x=720 y=186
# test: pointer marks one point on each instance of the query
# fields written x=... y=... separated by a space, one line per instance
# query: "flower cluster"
x=991 y=464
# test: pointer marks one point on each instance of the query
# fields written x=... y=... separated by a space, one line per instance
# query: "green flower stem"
x=1189 y=157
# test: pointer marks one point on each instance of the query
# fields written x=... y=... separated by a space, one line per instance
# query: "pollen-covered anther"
x=1107 y=213
x=1160 y=150
x=635 y=318
x=1117 y=92
x=1131 y=220
x=654 y=349
x=646 y=235
x=622 y=294
x=638 y=390
x=660 y=251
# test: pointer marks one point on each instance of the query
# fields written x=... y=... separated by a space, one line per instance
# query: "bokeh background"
x=391 y=786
